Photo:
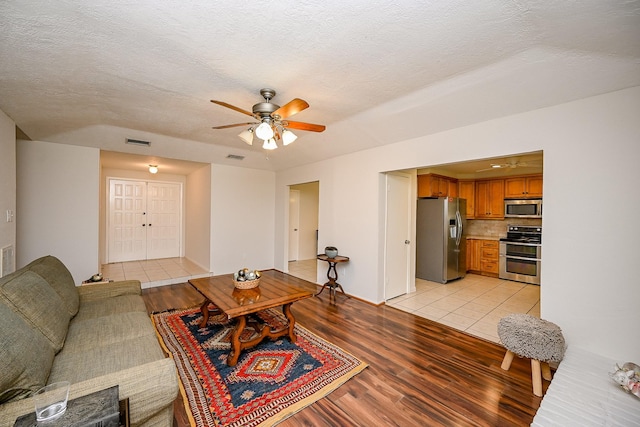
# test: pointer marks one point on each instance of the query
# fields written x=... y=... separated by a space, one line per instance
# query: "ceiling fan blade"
x=305 y=126
x=233 y=107
x=234 y=125
x=290 y=108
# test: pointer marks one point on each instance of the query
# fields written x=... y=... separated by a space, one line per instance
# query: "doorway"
x=303 y=230
x=144 y=220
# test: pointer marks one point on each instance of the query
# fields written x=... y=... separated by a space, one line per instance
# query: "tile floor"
x=473 y=304
x=304 y=269
x=156 y=272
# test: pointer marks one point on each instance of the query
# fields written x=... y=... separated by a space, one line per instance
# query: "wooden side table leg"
x=234 y=354
x=286 y=310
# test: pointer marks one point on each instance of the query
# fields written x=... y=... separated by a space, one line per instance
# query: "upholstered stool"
x=533 y=338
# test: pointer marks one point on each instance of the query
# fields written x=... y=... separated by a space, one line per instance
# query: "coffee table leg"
x=205 y=313
x=236 y=348
x=286 y=310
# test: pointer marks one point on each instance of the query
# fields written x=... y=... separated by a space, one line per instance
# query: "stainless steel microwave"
x=523 y=208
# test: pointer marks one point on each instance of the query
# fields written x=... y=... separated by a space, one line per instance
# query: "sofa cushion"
x=59 y=278
x=107 y=330
x=26 y=357
x=105 y=359
x=31 y=297
x=109 y=306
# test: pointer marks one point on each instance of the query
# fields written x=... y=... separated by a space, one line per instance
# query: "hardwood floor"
x=420 y=372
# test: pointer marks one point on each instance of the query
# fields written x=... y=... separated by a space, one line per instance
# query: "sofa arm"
x=151 y=388
x=109 y=290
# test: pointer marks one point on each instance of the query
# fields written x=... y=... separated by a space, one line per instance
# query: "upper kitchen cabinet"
x=490 y=199
x=431 y=185
x=467 y=190
x=523 y=187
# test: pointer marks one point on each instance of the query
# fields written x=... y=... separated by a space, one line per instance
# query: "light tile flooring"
x=156 y=272
x=473 y=304
x=304 y=269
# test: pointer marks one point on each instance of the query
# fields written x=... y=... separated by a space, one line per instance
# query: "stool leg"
x=508 y=358
x=536 y=377
x=546 y=371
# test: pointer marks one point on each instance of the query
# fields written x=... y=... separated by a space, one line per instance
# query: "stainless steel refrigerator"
x=440 y=244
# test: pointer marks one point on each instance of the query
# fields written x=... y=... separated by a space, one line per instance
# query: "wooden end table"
x=276 y=289
x=332 y=274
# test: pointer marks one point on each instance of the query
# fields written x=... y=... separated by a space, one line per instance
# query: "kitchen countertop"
x=483 y=237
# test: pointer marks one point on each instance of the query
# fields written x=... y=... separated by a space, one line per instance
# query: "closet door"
x=127 y=220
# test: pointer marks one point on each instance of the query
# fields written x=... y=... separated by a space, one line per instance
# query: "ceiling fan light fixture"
x=264 y=131
x=247 y=136
x=153 y=168
x=288 y=137
x=270 y=144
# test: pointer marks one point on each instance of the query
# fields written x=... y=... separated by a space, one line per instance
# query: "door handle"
x=407 y=242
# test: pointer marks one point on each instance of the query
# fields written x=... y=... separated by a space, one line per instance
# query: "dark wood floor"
x=420 y=373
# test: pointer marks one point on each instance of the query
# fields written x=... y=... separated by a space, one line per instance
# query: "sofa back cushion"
x=26 y=357
x=31 y=297
x=59 y=278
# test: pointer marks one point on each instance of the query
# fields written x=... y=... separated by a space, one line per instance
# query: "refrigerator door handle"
x=459 y=225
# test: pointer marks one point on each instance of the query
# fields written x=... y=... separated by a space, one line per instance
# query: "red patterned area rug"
x=269 y=383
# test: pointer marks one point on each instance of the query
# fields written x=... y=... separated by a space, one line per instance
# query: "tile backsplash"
x=496 y=228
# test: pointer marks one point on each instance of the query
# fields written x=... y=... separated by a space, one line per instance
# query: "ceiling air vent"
x=235 y=157
x=138 y=142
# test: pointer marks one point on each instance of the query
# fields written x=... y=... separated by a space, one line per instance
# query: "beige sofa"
x=94 y=336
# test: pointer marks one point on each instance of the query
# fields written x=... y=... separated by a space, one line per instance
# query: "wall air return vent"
x=235 y=157
x=138 y=142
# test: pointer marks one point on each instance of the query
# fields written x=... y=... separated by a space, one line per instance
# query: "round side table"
x=332 y=275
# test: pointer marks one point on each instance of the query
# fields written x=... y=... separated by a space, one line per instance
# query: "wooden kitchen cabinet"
x=489 y=199
x=523 y=187
x=431 y=185
x=482 y=257
x=473 y=255
x=489 y=257
x=467 y=191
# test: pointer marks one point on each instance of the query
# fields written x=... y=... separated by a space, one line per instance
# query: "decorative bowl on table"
x=331 y=251
x=246 y=279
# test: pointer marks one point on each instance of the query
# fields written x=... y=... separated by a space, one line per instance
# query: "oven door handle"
x=521 y=258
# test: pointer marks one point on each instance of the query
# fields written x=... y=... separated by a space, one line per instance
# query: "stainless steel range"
x=521 y=254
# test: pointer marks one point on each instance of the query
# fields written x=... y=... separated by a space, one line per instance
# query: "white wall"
x=591 y=150
x=57 y=205
x=7 y=180
x=242 y=219
x=198 y=217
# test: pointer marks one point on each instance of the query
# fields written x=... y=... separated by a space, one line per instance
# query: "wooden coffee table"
x=276 y=289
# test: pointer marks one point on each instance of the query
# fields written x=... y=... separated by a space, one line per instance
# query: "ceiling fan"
x=272 y=123
x=511 y=165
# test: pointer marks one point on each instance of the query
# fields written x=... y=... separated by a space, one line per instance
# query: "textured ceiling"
x=95 y=73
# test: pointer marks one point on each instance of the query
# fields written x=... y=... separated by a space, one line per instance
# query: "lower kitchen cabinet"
x=482 y=257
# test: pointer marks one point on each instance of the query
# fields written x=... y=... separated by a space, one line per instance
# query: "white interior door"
x=145 y=220
x=397 y=245
x=164 y=201
x=294 y=224
x=127 y=230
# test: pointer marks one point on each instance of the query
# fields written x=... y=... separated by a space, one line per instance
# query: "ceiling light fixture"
x=288 y=137
x=247 y=136
x=153 y=168
x=264 y=130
